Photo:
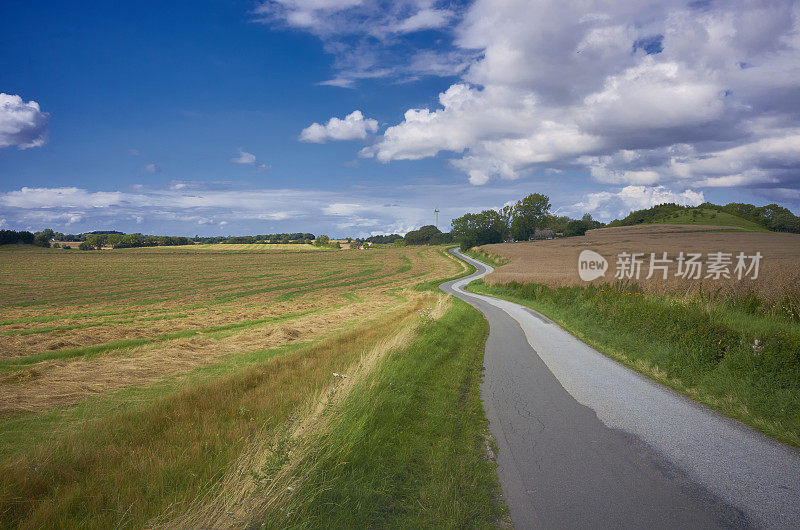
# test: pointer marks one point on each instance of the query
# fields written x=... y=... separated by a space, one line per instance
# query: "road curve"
x=585 y=442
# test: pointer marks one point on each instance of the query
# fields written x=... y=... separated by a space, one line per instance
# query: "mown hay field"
x=131 y=380
x=239 y=247
x=77 y=323
x=555 y=262
x=291 y=247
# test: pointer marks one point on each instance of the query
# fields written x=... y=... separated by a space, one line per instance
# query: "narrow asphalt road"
x=585 y=442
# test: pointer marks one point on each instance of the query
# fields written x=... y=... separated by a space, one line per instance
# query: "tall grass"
x=407 y=448
x=489 y=258
x=740 y=362
x=125 y=468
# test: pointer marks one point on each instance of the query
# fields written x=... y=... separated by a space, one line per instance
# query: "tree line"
x=528 y=219
x=41 y=239
x=117 y=240
x=285 y=238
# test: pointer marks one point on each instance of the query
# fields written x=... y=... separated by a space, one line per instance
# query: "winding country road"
x=585 y=442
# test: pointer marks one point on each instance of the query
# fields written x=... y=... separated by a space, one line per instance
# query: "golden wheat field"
x=555 y=262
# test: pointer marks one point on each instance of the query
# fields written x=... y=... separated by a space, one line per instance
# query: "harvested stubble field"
x=555 y=262
x=133 y=380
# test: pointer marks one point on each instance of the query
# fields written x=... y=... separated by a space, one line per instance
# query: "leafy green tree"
x=556 y=223
x=529 y=214
x=428 y=235
x=579 y=227
x=42 y=239
x=96 y=241
x=473 y=229
x=8 y=237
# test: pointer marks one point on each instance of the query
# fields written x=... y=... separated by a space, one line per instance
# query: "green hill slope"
x=706 y=216
x=745 y=216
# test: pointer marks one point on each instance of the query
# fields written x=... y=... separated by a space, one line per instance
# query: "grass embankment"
x=734 y=359
x=484 y=256
x=407 y=447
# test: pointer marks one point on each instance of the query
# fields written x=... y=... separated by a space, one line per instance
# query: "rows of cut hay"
x=230 y=247
x=555 y=262
x=75 y=323
x=129 y=380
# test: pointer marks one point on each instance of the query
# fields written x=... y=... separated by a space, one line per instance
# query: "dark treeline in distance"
x=296 y=237
x=529 y=218
x=10 y=237
x=119 y=240
x=91 y=240
x=384 y=239
x=428 y=235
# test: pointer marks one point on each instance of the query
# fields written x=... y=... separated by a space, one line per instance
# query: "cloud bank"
x=646 y=93
x=684 y=95
x=188 y=208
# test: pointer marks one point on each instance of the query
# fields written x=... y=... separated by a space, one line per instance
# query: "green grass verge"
x=489 y=258
x=705 y=350
x=407 y=449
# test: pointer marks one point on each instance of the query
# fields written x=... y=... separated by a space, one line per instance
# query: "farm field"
x=137 y=384
x=555 y=262
x=231 y=247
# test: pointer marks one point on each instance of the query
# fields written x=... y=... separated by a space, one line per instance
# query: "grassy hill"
x=745 y=216
x=706 y=216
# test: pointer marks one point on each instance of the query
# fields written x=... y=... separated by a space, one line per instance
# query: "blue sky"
x=199 y=117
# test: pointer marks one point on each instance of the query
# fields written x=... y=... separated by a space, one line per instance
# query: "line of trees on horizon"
x=284 y=238
x=528 y=219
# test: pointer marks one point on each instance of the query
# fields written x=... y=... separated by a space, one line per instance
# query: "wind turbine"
x=436 y=217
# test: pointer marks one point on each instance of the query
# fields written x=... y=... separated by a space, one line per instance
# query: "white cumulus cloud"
x=244 y=158
x=612 y=204
x=23 y=125
x=353 y=127
x=636 y=93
